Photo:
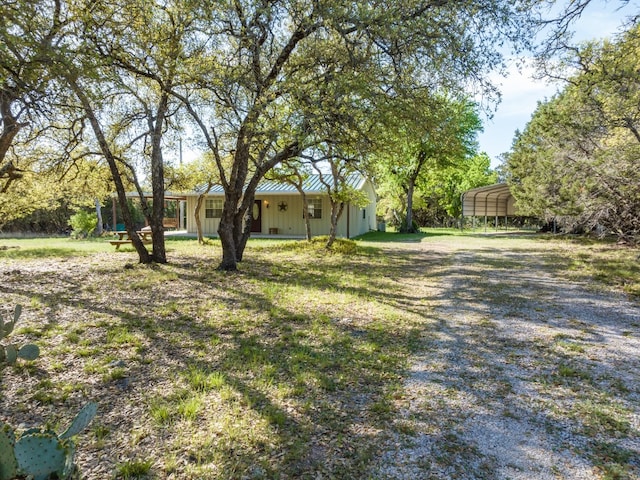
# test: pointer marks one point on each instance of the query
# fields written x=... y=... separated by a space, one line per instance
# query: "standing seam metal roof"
x=311 y=184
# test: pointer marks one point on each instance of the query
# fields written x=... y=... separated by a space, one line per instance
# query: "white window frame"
x=314 y=207
x=213 y=208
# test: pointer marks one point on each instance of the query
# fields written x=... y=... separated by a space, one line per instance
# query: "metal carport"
x=490 y=201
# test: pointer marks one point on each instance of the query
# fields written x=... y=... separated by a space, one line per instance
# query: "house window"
x=213 y=208
x=315 y=207
x=364 y=213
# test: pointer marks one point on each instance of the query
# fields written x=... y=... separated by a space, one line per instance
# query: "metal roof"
x=492 y=200
x=311 y=185
x=167 y=195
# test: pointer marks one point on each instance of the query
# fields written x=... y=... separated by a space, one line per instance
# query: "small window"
x=213 y=208
x=315 y=207
x=364 y=213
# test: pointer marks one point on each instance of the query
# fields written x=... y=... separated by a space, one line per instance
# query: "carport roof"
x=492 y=200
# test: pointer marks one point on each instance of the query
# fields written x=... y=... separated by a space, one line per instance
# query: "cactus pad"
x=16 y=313
x=7 y=328
x=40 y=454
x=8 y=463
x=83 y=418
x=29 y=352
x=11 y=354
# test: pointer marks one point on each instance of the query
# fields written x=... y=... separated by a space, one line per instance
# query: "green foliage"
x=576 y=160
x=9 y=354
x=40 y=453
x=427 y=158
x=342 y=246
x=33 y=193
x=83 y=223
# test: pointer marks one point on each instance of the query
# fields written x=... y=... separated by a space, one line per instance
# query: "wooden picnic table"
x=123 y=238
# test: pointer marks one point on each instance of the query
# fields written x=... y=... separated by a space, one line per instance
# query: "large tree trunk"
x=225 y=231
x=408 y=223
x=11 y=127
x=244 y=221
x=228 y=232
x=235 y=227
x=156 y=125
x=143 y=254
x=307 y=220
x=230 y=227
x=10 y=123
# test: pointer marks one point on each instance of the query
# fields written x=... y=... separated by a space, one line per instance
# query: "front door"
x=256 y=217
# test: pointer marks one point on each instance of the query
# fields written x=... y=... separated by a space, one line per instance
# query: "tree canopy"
x=576 y=162
x=420 y=151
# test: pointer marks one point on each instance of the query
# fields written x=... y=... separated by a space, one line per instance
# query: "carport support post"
x=496 y=223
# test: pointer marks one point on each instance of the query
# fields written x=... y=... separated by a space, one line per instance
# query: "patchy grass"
x=134 y=469
x=610 y=264
x=282 y=368
x=293 y=367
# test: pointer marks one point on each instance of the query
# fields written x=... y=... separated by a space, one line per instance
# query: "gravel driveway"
x=524 y=374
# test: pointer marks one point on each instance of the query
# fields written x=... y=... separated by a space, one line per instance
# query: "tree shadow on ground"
x=518 y=348
x=316 y=385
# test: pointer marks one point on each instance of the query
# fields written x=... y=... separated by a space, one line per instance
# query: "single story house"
x=278 y=209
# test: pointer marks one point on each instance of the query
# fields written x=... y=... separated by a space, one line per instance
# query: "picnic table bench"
x=123 y=238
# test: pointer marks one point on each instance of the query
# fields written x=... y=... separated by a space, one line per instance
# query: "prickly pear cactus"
x=41 y=454
x=81 y=421
x=8 y=463
x=10 y=353
x=7 y=328
x=37 y=453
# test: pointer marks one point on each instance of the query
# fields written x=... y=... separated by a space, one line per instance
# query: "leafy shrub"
x=343 y=246
x=83 y=223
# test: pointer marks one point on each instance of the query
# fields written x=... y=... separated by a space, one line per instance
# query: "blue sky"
x=520 y=92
